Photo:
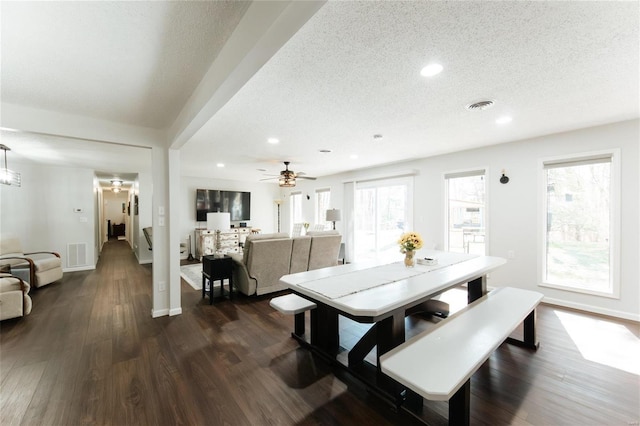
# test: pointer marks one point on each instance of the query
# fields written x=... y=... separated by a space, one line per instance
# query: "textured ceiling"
x=128 y=62
x=352 y=71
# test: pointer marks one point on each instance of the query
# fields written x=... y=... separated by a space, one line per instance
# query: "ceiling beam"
x=262 y=31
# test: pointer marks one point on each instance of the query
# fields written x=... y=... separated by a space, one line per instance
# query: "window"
x=579 y=230
x=296 y=207
x=323 y=199
x=466 y=222
x=383 y=212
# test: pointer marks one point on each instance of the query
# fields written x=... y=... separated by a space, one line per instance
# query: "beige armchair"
x=14 y=297
x=44 y=267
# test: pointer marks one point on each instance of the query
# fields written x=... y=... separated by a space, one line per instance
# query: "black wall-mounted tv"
x=212 y=200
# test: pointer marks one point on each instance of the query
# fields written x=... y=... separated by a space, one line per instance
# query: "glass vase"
x=409 y=259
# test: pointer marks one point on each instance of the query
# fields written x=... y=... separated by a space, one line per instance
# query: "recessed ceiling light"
x=504 y=120
x=431 y=70
x=220 y=164
x=273 y=140
x=116 y=182
x=354 y=156
x=325 y=151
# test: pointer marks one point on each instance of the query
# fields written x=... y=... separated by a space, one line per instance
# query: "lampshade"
x=218 y=221
x=333 y=215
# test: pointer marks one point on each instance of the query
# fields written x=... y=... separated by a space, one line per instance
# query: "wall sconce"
x=504 y=178
x=9 y=177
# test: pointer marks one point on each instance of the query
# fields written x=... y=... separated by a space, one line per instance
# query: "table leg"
x=203 y=286
x=324 y=329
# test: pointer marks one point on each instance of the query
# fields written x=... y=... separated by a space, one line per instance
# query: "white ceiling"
x=352 y=71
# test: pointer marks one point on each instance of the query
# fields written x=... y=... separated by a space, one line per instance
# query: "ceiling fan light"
x=287 y=182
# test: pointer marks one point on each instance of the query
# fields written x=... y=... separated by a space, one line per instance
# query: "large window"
x=383 y=212
x=579 y=231
x=323 y=199
x=296 y=207
x=466 y=223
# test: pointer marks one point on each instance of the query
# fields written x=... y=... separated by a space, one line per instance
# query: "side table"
x=217 y=269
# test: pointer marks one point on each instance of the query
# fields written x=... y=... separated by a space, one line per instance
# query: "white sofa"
x=267 y=257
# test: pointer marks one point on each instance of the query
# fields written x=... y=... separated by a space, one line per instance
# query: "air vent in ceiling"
x=479 y=106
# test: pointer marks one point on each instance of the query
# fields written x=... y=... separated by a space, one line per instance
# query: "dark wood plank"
x=90 y=353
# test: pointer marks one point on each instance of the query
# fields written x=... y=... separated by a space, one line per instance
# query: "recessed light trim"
x=504 y=120
x=431 y=70
x=273 y=141
x=220 y=165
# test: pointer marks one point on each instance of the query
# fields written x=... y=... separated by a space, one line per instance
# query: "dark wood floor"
x=90 y=353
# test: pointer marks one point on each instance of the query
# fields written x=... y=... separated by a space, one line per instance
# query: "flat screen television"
x=212 y=200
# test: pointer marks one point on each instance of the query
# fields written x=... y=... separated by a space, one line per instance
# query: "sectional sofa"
x=267 y=257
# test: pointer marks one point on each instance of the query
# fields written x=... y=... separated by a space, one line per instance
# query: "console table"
x=217 y=269
x=231 y=241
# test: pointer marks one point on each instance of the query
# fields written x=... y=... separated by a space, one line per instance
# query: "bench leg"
x=299 y=324
x=476 y=288
x=529 y=333
x=460 y=407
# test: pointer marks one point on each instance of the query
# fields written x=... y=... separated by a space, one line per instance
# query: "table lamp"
x=218 y=222
x=333 y=215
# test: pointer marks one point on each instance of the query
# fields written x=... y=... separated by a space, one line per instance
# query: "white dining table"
x=380 y=293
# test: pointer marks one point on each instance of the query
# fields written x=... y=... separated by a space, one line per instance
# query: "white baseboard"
x=175 y=311
x=79 y=268
x=592 y=309
x=159 y=313
x=145 y=262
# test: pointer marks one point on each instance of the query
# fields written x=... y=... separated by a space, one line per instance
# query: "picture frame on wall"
x=135 y=205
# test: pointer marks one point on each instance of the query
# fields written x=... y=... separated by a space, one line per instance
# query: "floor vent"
x=76 y=254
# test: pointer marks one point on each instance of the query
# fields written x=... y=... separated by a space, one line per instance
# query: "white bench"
x=439 y=363
x=292 y=304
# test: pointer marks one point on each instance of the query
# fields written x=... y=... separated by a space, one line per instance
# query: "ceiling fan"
x=287 y=178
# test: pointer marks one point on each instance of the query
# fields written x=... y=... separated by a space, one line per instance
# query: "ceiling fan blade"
x=271 y=178
x=305 y=177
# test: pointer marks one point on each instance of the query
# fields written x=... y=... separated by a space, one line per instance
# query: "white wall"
x=263 y=208
x=513 y=209
x=41 y=214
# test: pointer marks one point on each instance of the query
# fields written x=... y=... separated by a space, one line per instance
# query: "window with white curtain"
x=296 y=207
x=580 y=218
x=383 y=212
x=323 y=200
x=466 y=211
